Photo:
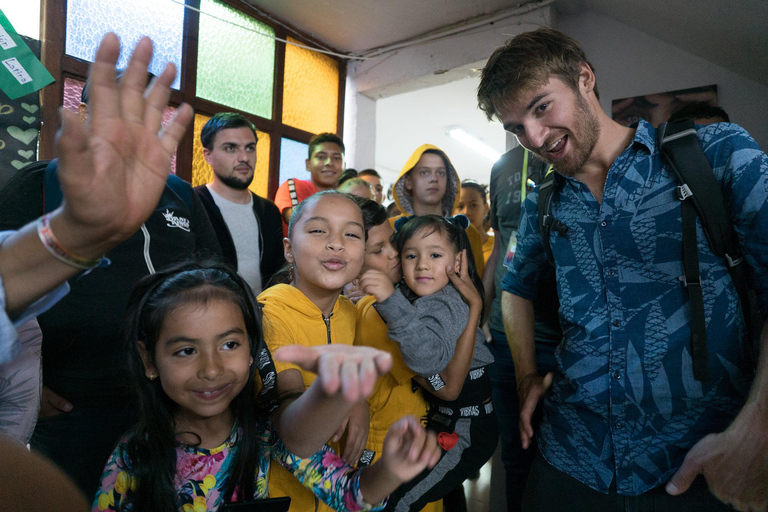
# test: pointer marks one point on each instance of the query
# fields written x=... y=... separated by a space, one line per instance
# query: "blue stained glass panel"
x=160 y=20
x=293 y=158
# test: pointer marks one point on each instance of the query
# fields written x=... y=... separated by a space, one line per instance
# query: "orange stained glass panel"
x=202 y=172
x=310 y=90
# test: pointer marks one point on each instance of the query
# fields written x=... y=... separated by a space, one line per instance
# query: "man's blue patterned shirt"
x=624 y=403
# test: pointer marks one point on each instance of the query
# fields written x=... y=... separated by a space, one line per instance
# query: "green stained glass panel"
x=162 y=21
x=235 y=59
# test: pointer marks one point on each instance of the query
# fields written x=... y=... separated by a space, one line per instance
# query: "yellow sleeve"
x=476 y=242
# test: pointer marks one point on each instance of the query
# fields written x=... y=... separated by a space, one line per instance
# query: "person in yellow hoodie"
x=395 y=394
x=428 y=184
x=325 y=249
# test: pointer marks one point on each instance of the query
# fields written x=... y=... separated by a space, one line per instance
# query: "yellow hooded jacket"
x=451 y=199
x=290 y=318
x=393 y=396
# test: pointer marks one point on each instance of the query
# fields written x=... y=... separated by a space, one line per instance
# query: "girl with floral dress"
x=202 y=440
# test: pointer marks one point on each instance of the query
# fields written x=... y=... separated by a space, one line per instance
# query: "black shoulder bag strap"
x=699 y=194
x=547 y=222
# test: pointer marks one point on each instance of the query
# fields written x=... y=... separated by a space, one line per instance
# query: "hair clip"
x=399 y=223
x=461 y=221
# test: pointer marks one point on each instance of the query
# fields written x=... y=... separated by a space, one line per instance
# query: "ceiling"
x=726 y=32
x=730 y=33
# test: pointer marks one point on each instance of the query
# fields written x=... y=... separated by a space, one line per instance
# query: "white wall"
x=631 y=63
x=628 y=63
x=359 y=128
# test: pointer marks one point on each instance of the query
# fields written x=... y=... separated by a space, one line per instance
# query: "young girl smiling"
x=201 y=441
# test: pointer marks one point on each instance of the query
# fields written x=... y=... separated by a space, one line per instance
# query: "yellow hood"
x=452 y=189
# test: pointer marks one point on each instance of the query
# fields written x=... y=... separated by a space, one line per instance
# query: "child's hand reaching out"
x=409 y=449
x=377 y=283
x=351 y=370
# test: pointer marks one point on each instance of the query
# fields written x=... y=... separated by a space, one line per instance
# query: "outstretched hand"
x=350 y=370
x=409 y=449
x=113 y=171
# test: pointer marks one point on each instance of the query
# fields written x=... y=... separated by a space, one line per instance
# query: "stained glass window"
x=24 y=16
x=202 y=172
x=162 y=21
x=235 y=59
x=310 y=90
x=293 y=160
x=73 y=89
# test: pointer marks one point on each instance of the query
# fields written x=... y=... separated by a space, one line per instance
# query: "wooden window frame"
x=53 y=35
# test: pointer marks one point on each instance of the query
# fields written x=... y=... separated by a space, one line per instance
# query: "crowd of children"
x=216 y=408
x=362 y=375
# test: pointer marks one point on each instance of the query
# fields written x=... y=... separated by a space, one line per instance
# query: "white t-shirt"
x=244 y=229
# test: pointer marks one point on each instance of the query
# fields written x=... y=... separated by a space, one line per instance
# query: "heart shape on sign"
x=26 y=153
x=29 y=108
x=25 y=136
x=29 y=119
x=18 y=165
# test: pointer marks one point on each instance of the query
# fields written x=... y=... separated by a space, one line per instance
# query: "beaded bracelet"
x=58 y=251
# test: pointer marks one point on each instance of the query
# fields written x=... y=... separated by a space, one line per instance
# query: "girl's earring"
x=290 y=272
x=152 y=376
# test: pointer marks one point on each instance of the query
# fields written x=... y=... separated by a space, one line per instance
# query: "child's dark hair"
x=151 y=446
x=298 y=212
x=453 y=228
x=373 y=213
x=478 y=187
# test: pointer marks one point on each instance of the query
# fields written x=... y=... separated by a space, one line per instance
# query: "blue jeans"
x=517 y=462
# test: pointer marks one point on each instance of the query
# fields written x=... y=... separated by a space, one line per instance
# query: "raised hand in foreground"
x=409 y=449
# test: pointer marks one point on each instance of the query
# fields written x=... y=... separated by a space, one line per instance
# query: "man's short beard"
x=588 y=130
x=234 y=182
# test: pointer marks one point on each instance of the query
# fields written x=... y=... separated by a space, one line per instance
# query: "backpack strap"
x=292 y=192
x=700 y=195
x=547 y=188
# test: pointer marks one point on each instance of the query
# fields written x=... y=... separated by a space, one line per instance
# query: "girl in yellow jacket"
x=325 y=249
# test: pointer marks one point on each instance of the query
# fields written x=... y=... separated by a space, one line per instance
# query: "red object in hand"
x=446 y=440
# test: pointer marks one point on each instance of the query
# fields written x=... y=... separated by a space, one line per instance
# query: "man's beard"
x=235 y=182
x=588 y=130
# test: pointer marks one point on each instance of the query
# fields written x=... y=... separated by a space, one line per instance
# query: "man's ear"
x=288 y=250
x=586 y=78
x=306 y=164
x=150 y=370
x=207 y=155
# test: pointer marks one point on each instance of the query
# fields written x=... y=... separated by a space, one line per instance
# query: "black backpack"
x=699 y=194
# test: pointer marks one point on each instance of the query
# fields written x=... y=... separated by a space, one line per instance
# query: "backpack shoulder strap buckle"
x=683 y=192
x=734 y=261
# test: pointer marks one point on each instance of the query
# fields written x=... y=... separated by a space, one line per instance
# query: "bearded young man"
x=625 y=424
x=249 y=227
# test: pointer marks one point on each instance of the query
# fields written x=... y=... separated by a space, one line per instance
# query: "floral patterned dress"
x=201 y=476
